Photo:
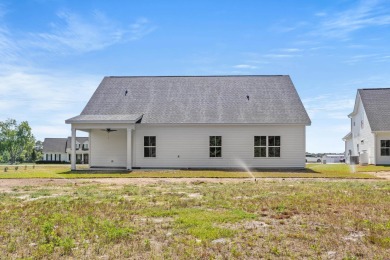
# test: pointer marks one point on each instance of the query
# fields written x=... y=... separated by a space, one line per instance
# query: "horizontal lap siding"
x=191 y=144
x=108 y=149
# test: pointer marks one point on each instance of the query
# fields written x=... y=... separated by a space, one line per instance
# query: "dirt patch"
x=384 y=175
x=6 y=185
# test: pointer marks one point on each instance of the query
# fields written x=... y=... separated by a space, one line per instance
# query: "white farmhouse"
x=194 y=122
x=369 y=139
x=54 y=149
x=60 y=149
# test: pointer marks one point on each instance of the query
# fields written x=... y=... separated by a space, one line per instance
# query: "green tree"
x=16 y=140
x=37 y=152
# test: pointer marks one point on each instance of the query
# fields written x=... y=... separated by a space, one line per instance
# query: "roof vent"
x=247 y=97
x=126 y=92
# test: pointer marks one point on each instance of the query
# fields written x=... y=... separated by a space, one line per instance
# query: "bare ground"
x=8 y=184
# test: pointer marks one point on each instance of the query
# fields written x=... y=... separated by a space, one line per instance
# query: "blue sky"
x=54 y=53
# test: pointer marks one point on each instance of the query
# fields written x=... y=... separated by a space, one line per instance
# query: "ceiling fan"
x=108 y=130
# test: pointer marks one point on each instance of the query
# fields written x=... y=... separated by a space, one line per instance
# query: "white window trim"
x=215 y=146
x=150 y=146
x=383 y=147
x=267 y=147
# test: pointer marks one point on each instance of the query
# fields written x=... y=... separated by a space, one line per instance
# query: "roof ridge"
x=373 y=88
x=195 y=76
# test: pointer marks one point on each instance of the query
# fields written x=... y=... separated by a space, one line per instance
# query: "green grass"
x=293 y=219
x=311 y=171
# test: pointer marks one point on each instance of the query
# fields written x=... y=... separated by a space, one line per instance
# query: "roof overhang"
x=104 y=119
x=348 y=136
x=355 y=108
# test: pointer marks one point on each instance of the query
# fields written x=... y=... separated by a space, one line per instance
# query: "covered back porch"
x=110 y=140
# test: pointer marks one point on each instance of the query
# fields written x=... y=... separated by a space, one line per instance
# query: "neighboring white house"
x=194 y=122
x=369 y=139
x=54 y=149
x=59 y=149
x=333 y=158
x=82 y=149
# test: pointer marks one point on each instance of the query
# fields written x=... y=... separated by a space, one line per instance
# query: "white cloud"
x=366 y=14
x=291 y=50
x=244 y=66
x=281 y=27
x=280 y=55
x=328 y=106
x=44 y=99
x=321 y=14
x=80 y=34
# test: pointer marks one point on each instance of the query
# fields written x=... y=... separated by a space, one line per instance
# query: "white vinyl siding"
x=360 y=134
x=109 y=149
x=188 y=145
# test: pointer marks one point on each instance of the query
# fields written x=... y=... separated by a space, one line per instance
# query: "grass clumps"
x=291 y=219
x=203 y=224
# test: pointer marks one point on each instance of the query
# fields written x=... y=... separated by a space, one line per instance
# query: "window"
x=385 y=147
x=85 y=146
x=149 y=146
x=47 y=157
x=260 y=146
x=267 y=146
x=273 y=146
x=59 y=157
x=69 y=157
x=215 y=146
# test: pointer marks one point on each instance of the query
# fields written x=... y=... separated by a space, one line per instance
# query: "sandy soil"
x=384 y=175
x=8 y=184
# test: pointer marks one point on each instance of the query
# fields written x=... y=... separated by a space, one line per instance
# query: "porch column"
x=129 y=148
x=73 y=151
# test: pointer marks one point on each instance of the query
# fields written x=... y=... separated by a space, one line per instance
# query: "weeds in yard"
x=266 y=219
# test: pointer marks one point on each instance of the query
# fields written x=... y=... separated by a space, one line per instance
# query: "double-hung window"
x=267 y=146
x=385 y=147
x=260 y=146
x=273 y=146
x=149 y=146
x=215 y=146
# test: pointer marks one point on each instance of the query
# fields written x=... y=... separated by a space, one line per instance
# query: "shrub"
x=5 y=169
x=51 y=162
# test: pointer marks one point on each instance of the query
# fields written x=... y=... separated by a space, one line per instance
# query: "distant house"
x=54 y=149
x=194 y=122
x=369 y=139
x=60 y=149
x=333 y=158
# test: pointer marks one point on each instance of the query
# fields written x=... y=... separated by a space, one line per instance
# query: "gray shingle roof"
x=200 y=99
x=376 y=103
x=81 y=140
x=54 y=145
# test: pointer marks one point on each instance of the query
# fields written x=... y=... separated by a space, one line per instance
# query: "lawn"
x=311 y=171
x=267 y=219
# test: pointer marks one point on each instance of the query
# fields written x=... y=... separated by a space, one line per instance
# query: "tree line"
x=17 y=143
